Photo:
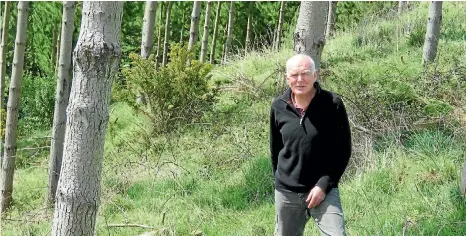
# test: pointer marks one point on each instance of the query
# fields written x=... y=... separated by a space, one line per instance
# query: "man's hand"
x=316 y=196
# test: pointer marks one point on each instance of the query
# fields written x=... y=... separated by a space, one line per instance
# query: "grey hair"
x=299 y=56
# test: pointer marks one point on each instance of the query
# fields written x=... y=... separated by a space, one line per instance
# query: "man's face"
x=300 y=78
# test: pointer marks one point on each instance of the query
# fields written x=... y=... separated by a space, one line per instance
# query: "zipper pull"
x=301 y=122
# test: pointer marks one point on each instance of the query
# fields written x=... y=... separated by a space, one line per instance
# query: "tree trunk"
x=53 y=55
x=248 y=33
x=231 y=19
x=214 y=38
x=205 y=36
x=159 y=38
x=309 y=36
x=280 y=25
x=166 y=38
x=8 y=166
x=148 y=28
x=95 y=63
x=433 y=32
x=3 y=49
x=332 y=11
x=182 y=27
x=194 y=30
x=463 y=179
x=400 y=7
x=57 y=56
x=61 y=99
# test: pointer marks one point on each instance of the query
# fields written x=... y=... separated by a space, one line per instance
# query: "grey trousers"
x=293 y=214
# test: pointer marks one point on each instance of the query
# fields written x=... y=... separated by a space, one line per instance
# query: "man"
x=310 y=144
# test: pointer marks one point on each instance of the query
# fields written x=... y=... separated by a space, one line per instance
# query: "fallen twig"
x=130 y=225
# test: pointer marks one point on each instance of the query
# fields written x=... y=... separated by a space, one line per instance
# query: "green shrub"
x=176 y=94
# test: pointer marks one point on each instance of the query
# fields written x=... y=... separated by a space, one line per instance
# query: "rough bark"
x=248 y=33
x=231 y=19
x=205 y=36
x=194 y=30
x=332 y=11
x=214 y=38
x=309 y=35
x=434 y=22
x=148 y=28
x=166 y=38
x=61 y=99
x=96 y=61
x=8 y=165
x=3 y=49
x=280 y=25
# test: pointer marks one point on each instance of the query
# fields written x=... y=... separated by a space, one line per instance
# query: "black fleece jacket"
x=313 y=149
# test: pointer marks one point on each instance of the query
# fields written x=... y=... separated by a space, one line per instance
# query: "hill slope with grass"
x=214 y=177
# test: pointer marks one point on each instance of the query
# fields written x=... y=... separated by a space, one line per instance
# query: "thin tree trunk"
x=248 y=33
x=433 y=32
x=167 y=27
x=214 y=38
x=463 y=179
x=148 y=28
x=231 y=19
x=54 y=46
x=57 y=56
x=95 y=63
x=400 y=7
x=280 y=25
x=332 y=11
x=182 y=27
x=159 y=38
x=8 y=166
x=3 y=49
x=61 y=99
x=205 y=36
x=194 y=30
x=309 y=36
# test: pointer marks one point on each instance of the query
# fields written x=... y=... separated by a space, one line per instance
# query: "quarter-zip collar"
x=286 y=97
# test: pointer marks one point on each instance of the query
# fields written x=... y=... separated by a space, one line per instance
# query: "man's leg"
x=291 y=214
x=329 y=215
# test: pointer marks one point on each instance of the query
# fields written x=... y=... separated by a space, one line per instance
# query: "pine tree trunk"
x=332 y=11
x=309 y=36
x=159 y=38
x=166 y=38
x=248 y=33
x=280 y=25
x=148 y=28
x=214 y=38
x=8 y=166
x=95 y=64
x=3 y=49
x=194 y=30
x=61 y=99
x=433 y=32
x=231 y=19
x=205 y=36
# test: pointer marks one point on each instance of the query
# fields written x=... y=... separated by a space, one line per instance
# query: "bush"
x=177 y=94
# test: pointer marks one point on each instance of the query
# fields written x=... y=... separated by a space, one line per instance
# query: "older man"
x=310 y=144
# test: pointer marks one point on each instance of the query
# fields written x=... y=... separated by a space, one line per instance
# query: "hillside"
x=214 y=177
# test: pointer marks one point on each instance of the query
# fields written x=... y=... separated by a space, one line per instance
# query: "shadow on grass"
x=257 y=188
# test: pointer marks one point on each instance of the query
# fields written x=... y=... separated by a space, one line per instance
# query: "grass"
x=215 y=177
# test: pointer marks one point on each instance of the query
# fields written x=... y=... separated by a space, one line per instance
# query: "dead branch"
x=130 y=225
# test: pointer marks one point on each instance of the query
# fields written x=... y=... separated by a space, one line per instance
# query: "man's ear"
x=316 y=75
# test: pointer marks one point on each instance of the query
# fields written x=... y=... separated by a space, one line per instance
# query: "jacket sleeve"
x=339 y=151
x=276 y=143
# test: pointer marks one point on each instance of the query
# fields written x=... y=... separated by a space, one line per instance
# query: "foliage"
x=37 y=100
x=176 y=94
